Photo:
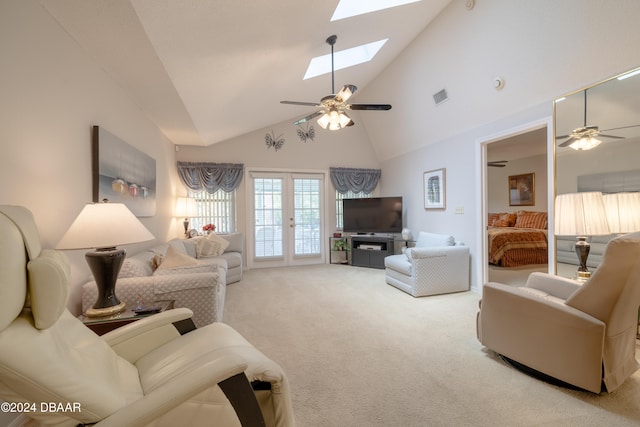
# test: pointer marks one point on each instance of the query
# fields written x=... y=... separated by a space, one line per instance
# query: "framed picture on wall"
x=434 y=189
x=522 y=190
x=122 y=173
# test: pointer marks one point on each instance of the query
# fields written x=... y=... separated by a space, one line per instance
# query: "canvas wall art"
x=122 y=173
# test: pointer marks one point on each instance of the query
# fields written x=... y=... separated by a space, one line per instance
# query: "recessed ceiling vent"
x=440 y=97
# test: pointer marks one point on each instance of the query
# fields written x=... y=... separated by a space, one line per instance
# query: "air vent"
x=440 y=97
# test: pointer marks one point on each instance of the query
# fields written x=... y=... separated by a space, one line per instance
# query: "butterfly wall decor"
x=274 y=142
x=307 y=134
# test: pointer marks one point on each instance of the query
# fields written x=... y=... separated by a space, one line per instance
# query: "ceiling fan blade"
x=308 y=118
x=623 y=127
x=562 y=136
x=567 y=142
x=310 y=104
x=610 y=136
x=378 y=107
x=498 y=163
x=345 y=93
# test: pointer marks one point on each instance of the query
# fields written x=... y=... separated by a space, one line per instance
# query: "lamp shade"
x=580 y=214
x=185 y=207
x=623 y=212
x=104 y=225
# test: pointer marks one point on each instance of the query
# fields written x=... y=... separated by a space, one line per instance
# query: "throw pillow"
x=176 y=259
x=211 y=246
x=134 y=267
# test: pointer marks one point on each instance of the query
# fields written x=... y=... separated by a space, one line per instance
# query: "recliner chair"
x=145 y=373
x=580 y=334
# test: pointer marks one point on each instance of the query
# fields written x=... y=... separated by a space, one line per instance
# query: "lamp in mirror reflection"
x=623 y=212
x=103 y=226
x=581 y=215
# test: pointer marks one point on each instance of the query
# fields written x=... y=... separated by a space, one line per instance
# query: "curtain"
x=356 y=180
x=210 y=176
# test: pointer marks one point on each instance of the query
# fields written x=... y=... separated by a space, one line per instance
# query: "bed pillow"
x=492 y=217
x=529 y=219
x=505 y=220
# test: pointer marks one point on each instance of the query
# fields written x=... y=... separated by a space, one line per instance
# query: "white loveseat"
x=437 y=264
x=177 y=271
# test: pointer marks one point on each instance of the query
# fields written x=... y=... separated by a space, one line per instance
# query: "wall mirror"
x=610 y=112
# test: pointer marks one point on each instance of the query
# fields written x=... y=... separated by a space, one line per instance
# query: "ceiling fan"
x=584 y=138
x=498 y=163
x=332 y=108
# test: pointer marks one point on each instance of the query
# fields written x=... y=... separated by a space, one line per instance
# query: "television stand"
x=371 y=250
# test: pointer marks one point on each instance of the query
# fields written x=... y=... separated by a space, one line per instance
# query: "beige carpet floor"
x=358 y=352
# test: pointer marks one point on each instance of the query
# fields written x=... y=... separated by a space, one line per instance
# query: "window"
x=348 y=195
x=218 y=209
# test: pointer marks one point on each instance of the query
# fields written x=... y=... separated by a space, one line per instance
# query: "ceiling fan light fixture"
x=585 y=143
x=334 y=120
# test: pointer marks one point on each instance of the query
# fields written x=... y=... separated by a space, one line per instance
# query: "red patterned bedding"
x=513 y=247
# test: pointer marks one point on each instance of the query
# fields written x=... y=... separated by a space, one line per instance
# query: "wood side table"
x=102 y=325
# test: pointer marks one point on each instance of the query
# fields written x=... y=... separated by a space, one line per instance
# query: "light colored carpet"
x=359 y=352
x=516 y=276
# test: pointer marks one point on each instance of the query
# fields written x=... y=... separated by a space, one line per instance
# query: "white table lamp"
x=581 y=215
x=185 y=208
x=103 y=226
x=623 y=212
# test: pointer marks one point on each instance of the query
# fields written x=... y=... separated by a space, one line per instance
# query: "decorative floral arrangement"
x=209 y=228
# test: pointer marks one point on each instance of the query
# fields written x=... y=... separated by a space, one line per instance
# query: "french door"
x=285 y=219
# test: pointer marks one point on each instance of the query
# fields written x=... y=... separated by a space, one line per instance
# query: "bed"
x=517 y=239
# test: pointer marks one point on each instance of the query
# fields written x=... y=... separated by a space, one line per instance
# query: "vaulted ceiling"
x=206 y=71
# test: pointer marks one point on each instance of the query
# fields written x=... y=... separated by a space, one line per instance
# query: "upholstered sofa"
x=438 y=264
x=181 y=271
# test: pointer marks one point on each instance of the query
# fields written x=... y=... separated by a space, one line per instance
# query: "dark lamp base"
x=105 y=265
x=582 y=250
x=106 y=311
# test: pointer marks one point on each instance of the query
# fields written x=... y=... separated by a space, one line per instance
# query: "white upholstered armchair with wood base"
x=583 y=335
x=147 y=373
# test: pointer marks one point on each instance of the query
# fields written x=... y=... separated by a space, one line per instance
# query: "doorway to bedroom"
x=517 y=196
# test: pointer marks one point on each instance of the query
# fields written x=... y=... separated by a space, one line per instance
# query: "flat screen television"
x=372 y=215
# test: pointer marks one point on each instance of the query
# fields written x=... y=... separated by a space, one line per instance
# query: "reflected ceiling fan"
x=498 y=163
x=332 y=108
x=584 y=138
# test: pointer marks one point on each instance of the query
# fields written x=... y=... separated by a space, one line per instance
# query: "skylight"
x=343 y=59
x=349 y=8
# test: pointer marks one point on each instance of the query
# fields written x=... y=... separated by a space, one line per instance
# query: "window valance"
x=356 y=180
x=211 y=177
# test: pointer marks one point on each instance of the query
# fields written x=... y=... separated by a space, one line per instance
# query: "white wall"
x=348 y=147
x=52 y=93
x=610 y=156
x=497 y=184
x=543 y=49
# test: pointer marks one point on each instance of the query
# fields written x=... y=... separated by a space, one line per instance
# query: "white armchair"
x=436 y=265
x=142 y=374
